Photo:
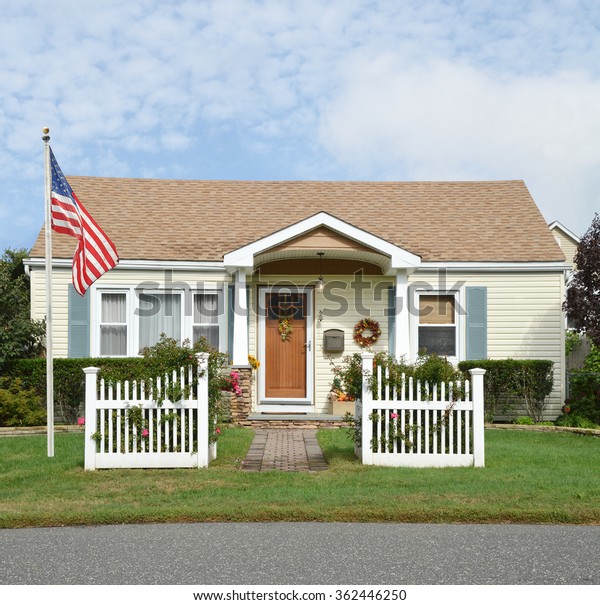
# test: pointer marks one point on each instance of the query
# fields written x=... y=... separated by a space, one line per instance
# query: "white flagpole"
x=49 y=353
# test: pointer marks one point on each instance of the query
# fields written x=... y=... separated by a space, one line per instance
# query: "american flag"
x=95 y=254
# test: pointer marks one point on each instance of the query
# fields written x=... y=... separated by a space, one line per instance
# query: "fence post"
x=203 y=427
x=478 y=416
x=91 y=417
x=367 y=408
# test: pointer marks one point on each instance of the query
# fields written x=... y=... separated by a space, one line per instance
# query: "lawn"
x=528 y=478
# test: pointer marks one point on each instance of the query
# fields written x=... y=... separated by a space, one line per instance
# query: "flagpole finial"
x=46 y=132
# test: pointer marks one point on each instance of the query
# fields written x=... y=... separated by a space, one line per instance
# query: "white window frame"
x=130 y=291
x=458 y=325
x=96 y=320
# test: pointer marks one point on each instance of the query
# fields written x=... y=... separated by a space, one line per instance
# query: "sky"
x=371 y=90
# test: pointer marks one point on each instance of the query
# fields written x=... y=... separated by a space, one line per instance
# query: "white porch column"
x=240 y=320
x=401 y=335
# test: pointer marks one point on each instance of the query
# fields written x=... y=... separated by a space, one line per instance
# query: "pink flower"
x=81 y=421
x=393 y=415
x=218 y=431
x=145 y=433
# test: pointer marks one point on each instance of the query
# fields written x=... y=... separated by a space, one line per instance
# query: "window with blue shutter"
x=476 y=307
x=79 y=324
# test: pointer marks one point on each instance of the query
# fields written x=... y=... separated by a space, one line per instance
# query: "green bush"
x=575 y=420
x=20 y=406
x=511 y=381
x=527 y=420
x=584 y=398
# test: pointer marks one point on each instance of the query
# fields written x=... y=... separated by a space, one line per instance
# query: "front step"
x=293 y=421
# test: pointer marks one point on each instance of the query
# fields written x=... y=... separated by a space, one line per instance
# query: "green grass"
x=528 y=478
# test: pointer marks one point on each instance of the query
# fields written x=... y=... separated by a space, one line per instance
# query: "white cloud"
x=444 y=120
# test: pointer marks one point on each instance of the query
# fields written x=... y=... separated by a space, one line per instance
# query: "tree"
x=582 y=304
x=20 y=336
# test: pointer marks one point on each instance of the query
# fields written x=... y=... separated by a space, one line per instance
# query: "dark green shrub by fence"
x=165 y=356
x=69 y=379
x=512 y=382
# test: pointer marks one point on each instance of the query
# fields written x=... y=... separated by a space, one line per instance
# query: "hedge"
x=69 y=379
x=508 y=381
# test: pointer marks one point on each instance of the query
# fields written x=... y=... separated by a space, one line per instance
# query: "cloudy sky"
x=306 y=89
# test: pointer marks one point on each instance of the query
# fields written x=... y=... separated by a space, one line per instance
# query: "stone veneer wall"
x=241 y=407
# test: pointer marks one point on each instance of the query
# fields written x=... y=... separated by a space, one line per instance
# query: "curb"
x=14 y=431
x=545 y=429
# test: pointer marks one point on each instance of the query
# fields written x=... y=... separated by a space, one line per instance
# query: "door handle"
x=307 y=345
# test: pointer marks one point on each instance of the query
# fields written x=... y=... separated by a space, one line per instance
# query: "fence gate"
x=126 y=428
x=420 y=425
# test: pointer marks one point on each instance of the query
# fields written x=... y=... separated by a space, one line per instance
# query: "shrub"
x=584 y=398
x=528 y=420
x=69 y=379
x=575 y=420
x=20 y=406
x=508 y=381
x=165 y=356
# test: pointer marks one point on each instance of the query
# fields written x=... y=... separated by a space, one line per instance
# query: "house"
x=567 y=240
x=285 y=271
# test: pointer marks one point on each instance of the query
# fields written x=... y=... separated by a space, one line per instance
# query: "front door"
x=286 y=348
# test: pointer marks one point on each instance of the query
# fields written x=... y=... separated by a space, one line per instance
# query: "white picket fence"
x=126 y=428
x=420 y=425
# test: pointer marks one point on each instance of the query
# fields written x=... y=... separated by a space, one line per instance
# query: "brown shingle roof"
x=202 y=220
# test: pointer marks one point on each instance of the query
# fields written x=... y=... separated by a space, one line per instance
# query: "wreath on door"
x=367 y=325
x=285 y=328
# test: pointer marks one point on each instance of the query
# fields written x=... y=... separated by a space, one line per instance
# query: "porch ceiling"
x=375 y=258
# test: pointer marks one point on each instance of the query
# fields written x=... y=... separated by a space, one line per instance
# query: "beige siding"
x=61 y=278
x=567 y=244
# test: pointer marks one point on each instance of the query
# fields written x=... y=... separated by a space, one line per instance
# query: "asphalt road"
x=301 y=553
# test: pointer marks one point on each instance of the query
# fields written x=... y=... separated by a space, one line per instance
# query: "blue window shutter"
x=476 y=322
x=392 y=320
x=79 y=324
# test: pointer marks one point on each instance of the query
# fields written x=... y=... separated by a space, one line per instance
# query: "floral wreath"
x=366 y=324
x=285 y=328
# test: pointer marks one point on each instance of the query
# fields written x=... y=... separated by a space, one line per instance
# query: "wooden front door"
x=286 y=347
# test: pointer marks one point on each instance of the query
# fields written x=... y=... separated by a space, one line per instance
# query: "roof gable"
x=168 y=220
x=244 y=256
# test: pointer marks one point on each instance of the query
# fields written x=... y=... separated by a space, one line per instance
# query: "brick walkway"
x=285 y=450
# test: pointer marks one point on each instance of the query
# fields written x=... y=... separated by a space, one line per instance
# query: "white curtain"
x=113 y=324
x=158 y=314
x=206 y=318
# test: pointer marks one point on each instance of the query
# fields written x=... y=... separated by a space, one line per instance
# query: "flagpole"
x=49 y=352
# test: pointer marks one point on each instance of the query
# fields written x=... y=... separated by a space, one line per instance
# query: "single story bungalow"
x=287 y=271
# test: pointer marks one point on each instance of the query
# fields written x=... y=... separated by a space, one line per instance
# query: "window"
x=437 y=324
x=206 y=318
x=129 y=319
x=158 y=313
x=113 y=324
